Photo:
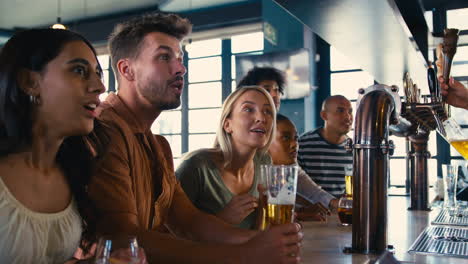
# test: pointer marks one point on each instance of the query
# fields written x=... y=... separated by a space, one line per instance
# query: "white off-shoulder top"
x=40 y=238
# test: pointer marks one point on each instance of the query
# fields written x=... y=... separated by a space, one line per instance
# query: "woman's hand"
x=314 y=212
x=238 y=208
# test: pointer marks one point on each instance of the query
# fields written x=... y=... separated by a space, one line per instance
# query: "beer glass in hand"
x=262 y=209
x=281 y=190
x=119 y=250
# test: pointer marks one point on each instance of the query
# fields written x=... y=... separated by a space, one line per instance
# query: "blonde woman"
x=223 y=180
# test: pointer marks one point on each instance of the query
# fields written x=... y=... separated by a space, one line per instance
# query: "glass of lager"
x=281 y=192
x=118 y=249
x=456 y=137
x=262 y=209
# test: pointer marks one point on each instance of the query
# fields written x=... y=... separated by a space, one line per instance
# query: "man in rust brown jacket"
x=135 y=189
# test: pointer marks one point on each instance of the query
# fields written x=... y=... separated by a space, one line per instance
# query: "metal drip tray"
x=457 y=217
x=443 y=241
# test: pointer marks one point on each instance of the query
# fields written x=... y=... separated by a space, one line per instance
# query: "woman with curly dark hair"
x=50 y=81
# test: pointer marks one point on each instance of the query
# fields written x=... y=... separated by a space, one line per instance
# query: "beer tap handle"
x=432 y=81
x=415 y=93
x=406 y=87
x=449 y=49
x=412 y=90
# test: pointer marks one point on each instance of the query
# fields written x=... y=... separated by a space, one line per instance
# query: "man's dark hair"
x=258 y=74
x=126 y=39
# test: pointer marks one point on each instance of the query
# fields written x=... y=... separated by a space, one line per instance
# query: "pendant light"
x=59 y=24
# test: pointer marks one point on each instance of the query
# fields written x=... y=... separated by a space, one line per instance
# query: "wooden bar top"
x=324 y=241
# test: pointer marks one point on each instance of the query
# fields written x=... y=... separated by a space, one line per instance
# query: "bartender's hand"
x=455 y=92
x=238 y=208
x=314 y=212
x=277 y=245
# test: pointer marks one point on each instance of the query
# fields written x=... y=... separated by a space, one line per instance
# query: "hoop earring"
x=34 y=99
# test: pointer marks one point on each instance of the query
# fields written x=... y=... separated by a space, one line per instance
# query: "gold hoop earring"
x=34 y=99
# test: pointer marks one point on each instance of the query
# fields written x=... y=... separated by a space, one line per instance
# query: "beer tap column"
x=418 y=157
x=378 y=106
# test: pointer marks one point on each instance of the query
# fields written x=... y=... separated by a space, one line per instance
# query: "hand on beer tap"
x=455 y=92
x=277 y=245
x=238 y=208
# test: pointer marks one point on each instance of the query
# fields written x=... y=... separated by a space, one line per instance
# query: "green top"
x=201 y=180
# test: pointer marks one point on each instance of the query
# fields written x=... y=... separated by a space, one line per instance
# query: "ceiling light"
x=59 y=24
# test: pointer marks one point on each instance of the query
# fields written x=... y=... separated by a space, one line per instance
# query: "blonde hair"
x=223 y=139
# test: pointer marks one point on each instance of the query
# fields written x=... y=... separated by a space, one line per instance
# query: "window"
x=204 y=77
x=456 y=18
x=197 y=94
x=104 y=61
x=244 y=44
x=346 y=79
x=247 y=42
x=205 y=91
x=204 y=69
x=168 y=124
x=204 y=48
x=347 y=83
x=460 y=63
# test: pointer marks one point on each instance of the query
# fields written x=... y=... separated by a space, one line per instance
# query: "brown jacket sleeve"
x=111 y=187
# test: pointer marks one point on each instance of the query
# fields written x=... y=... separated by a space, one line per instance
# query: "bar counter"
x=324 y=241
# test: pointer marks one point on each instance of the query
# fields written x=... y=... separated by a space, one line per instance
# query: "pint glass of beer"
x=455 y=135
x=262 y=209
x=281 y=192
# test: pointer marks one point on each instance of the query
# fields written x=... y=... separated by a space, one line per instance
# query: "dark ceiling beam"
x=445 y=4
x=411 y=15
x=98 y=29
x=6 y=32
x=370 y=33
x=227 y=15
